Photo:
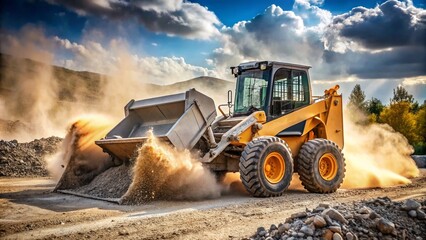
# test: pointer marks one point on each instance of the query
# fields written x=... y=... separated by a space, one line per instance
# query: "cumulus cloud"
x=363 y=43
x=173 y=17
x=170 y=69
x=391 y=24
x=273 y=35
x=91 y=55
x=419 y=80
x=311 y=13
x=159 y=5
x=388 y=41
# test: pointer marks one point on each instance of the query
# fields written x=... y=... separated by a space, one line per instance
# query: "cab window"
x=290 y=91
x=251 y=92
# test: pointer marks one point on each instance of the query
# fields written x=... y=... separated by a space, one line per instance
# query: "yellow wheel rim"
x=327 y=166
x=274 y=167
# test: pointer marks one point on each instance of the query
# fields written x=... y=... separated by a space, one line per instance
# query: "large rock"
x=421 y=215
x=328 y=235
x=349 y=236
x=308 y=230
x=319 y=222
x=412 y=213
x=410 y=204
x=385 y=226
x=299 y=215
x=337 y=236
x=335 y=215
x=365 y=210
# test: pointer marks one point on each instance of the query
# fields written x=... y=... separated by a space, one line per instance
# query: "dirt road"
x=28 y=209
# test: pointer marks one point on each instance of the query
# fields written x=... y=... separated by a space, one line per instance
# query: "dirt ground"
x=29 y=210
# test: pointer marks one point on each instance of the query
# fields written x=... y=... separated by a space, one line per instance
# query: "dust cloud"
x=79 y=154
x=37 y=99
x=30 y=90
x=232 y=184
x=376 y=155
x=162 y=172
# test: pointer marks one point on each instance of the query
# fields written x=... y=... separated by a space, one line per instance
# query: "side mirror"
x=235 y=71
x=229 y=98
x=229 y=105
x=229 y=102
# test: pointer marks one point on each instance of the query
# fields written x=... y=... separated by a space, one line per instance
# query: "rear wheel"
x=321 y=166
x=266 y=167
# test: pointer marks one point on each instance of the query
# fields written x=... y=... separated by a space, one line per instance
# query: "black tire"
x=328 y=179
x=252 y=163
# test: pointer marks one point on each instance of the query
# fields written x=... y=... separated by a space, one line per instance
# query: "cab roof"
x=255 y=64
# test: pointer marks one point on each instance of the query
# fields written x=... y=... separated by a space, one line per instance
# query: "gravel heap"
x=113 y=183
x=26 y=159
x=374 y=219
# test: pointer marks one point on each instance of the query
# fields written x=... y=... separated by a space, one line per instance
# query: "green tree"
x=420 y=147
x=375 y=107
x=357 y=99
x=421 y=121
x=399 y=117
x=401 y=95
x=415 y=107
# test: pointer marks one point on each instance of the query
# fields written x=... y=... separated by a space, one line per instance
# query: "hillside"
x=37 y=97
x=16 y=71
x=88 y=84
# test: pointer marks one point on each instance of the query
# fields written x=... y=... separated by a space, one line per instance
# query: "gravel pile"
x=26 y=159
x=113 y=183
x=375 y=219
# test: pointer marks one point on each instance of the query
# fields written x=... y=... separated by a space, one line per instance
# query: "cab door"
x=290 y=91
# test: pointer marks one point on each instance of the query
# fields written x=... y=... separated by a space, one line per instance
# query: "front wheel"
x=266 y=167
x=321 y=166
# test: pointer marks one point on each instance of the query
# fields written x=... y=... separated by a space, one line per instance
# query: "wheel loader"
x=272 y=129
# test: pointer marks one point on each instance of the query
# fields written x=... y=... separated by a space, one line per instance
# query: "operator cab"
x=274 y=87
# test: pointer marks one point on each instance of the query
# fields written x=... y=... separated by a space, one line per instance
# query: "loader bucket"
x=180 y=119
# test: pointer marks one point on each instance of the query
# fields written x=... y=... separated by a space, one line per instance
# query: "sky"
x=377 y=44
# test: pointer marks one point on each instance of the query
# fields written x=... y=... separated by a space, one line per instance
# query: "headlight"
x=234 y=71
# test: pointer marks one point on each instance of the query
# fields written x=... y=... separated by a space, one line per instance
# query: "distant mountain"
x=17 y=73
x=212 y=82
x=82 y=85
x=33 y=94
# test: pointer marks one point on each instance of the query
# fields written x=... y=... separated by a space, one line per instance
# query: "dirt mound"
x=26 y=159
x=379 y=218
x=112 y=183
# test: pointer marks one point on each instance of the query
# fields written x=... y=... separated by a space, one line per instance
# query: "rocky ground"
x=29 y=210
x=378 y=218
x=26 y=159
